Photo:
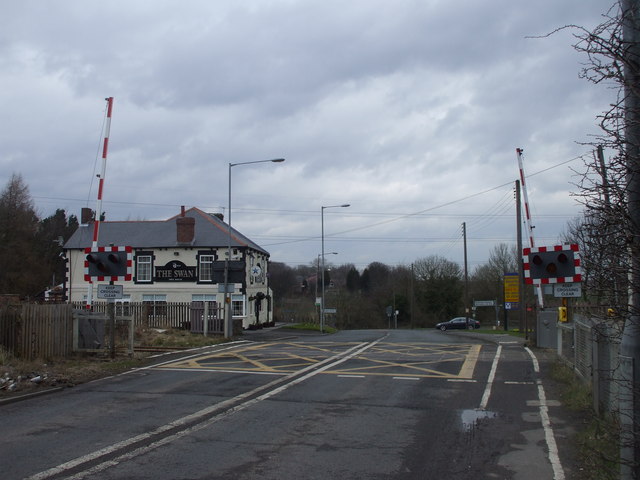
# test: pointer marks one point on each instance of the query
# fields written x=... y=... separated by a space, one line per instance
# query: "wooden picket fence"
x=158 y=315
x=31 y=331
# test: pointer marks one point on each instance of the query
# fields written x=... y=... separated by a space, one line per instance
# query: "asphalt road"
x=280 y=405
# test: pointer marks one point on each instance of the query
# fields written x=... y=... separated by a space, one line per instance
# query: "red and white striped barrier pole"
x=528 y=216
x=103 y=172
x=526 y=198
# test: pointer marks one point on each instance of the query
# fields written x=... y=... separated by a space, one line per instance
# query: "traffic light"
x=108 y=263
x=558 y=264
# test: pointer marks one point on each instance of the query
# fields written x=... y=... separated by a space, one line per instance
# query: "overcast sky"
x=408 y=110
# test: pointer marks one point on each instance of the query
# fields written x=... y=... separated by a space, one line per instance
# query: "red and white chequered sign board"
x=116 y=278
x=573 y=248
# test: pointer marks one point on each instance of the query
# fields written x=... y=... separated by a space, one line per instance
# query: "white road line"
x=405 y=378
x=492 y=375
x=461 y=380
x=220 y=370
x=554 y=457
x=225 y=408
x=519 y=383
x=351 y=376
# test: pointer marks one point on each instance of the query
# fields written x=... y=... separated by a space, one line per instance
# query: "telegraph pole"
x=466 y=272
x=521 y=302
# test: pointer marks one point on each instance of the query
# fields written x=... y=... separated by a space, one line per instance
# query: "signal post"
x=110 y=264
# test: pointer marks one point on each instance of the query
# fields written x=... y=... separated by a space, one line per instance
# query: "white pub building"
x=181 y=259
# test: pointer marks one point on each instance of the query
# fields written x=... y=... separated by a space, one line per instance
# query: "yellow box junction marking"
x=386 y=359
x=281 y=359
x=422 y=358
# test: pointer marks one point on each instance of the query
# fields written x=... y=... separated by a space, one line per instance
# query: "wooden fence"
x=154 y=315
x=31 y=331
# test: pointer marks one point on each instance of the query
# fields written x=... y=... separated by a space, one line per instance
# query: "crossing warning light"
x=557 y=264
x=108 y=263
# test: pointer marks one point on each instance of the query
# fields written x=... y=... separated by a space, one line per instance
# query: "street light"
x=322 y=223
x=318 y=269
x=228 y=321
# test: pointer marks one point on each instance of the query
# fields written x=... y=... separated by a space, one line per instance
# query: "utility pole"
x=466 y=272
x=411 y=298
x=630 y=343
x=521 y=303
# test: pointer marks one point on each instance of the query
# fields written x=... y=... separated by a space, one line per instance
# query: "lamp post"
x=322 y=236
x=318 y=269
x=228 y=321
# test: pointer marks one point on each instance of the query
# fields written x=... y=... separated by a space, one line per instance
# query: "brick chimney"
x=185 y=227
x=86 y=216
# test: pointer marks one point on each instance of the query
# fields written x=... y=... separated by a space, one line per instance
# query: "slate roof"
x=210 y=231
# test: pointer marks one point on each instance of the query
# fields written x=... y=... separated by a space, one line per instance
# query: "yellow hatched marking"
x=258 y=364
x=254 y=358
x=468 y=354
x=469 y=365
x=242 y=359
x=418 y=369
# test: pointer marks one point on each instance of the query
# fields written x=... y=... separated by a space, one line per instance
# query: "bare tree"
x=610 y=191
x=438 y=287
x=607 y=231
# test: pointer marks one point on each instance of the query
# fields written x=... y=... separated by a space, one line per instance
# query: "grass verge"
x=500 y=331
x=597 y=441
x=19 y=377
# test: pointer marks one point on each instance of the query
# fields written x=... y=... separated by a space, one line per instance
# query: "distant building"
x=180 y=259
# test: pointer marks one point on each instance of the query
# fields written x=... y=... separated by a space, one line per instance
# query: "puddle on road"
x=471 y=417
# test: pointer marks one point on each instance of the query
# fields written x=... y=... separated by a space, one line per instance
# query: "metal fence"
x=215 y=318
x=591 y=347
x=154 y=315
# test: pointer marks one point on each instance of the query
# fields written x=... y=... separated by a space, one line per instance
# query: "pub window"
x=205 y=271
x=156 y=308
x=203 y=297
x=237 y=305
x=144 y=268
x=123 y=306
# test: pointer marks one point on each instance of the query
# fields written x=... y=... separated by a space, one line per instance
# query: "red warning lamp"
x=108 y=263
x=558 y=264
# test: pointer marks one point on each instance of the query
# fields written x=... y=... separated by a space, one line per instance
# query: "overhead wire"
x=480 y=220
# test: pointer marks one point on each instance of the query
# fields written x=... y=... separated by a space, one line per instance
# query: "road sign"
x=484 y=303
x=110 y=292
x=567 y=290
x=230 y=288
x=511 y=287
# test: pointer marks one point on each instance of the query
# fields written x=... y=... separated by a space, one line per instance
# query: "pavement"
x=564 y=422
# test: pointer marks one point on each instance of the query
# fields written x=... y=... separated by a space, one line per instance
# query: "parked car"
x=458 y=322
